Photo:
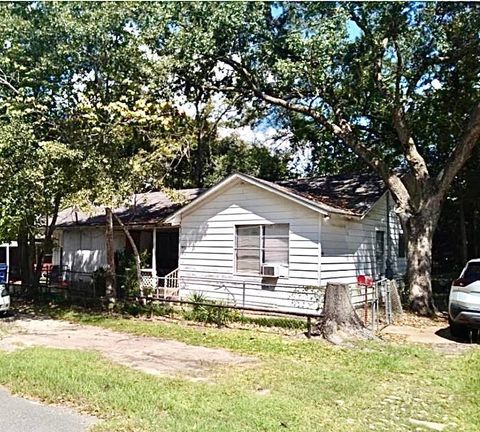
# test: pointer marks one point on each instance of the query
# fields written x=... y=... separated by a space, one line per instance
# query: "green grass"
x=296 y=385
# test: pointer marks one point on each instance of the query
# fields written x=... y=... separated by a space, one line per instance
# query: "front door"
x=167 y=250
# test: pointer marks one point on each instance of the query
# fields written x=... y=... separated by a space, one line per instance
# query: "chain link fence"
x=376 y=304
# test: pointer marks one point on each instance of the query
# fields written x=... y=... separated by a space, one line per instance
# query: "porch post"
x=7 y=262
x=154 y=252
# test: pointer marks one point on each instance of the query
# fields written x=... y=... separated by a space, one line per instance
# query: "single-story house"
x=247 y=234
x=269 y=245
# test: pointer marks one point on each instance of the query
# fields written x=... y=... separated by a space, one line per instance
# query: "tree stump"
x=397 y=308
x=339 y=320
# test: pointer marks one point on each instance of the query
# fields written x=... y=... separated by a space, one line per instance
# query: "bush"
x=266 y=321
x=160 y=309
x=210 y=313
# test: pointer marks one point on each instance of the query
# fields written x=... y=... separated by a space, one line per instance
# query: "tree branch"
x=6 y=83
x=461 y=153
x=413 y=156
x=377 y=68
x=398 y=72
x=343 y=130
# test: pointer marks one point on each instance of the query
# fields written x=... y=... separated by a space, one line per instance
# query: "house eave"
x=322 y=209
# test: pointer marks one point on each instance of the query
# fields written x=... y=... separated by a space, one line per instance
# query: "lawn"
x=296 y=385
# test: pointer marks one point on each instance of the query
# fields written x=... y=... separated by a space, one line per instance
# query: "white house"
x=250 y=241
x=273 y=236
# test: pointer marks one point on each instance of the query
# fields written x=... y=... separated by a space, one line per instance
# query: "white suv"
x=4 y=299
x=464 y=301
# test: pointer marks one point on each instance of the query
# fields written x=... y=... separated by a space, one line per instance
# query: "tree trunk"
x=47 y=243
x=25 y=258
x=135 y=252
x=110 y=289
x=463 y=233
x=339 y=319
x=475 y=234
x=419 y=229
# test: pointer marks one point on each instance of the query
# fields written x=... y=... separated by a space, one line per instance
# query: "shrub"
x=267 y=321
x=209 y=313
x=160 y=309
x=131 y=308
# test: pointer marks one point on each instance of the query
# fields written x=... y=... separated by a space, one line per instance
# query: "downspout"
x=154 y=252
x=320 y=250
x=388 y=263
x=7 y=262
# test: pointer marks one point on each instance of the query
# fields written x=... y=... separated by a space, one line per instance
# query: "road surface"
x=21 y=415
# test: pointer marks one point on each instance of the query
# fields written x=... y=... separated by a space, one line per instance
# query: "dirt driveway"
x=151 y=355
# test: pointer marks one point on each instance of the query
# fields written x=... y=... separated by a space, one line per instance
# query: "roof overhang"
x=175 y=218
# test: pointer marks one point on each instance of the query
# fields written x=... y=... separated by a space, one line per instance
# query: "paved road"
x=21 y=415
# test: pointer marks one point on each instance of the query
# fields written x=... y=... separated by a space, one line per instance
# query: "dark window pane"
x=472 y=272
x=248 y=236
x=273 y=256
x=248 y=251
x=276 y=230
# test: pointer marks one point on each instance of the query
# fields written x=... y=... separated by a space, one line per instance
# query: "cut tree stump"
x=339 y=320
x=397 y=308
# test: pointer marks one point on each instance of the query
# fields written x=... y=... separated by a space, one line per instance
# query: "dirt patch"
x=151 y=355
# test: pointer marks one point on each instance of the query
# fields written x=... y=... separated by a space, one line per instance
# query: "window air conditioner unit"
x=274 y=270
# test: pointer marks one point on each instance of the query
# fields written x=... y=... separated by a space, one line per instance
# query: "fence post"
x=387 y=302
x=219 y=314
x=309 y=327
x=243 y=294
x=365 y=306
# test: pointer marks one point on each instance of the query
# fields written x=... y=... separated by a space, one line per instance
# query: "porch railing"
x=171 y=279
x=159 y=287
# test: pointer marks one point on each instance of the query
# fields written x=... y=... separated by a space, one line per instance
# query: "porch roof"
x=150 y=208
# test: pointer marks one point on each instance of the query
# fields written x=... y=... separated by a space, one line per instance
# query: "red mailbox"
x=364 y=280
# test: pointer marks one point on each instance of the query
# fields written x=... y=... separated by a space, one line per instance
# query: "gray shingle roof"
x=350 y=193
x=142 y=209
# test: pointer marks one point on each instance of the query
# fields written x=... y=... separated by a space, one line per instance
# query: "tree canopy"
x=397 y=84
x=90 y=99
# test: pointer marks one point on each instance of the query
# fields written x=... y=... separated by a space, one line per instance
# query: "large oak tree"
x=396 y=84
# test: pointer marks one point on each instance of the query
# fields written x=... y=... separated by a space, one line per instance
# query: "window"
x=260 y=244
x=401 y=246
x=472 y=272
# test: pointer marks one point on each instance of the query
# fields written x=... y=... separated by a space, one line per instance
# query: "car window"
x=472 y=272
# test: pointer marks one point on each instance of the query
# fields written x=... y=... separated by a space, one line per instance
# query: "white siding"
x=346 y=250
x=348 y=246
x=207 y=248
x=207 y=236
x=84 y=249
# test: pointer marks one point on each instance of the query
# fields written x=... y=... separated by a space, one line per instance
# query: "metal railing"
x=373 y=302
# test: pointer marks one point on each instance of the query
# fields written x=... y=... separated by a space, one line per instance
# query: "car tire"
x=458 y=330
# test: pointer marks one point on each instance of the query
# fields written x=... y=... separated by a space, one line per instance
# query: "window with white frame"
x=256 y=245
